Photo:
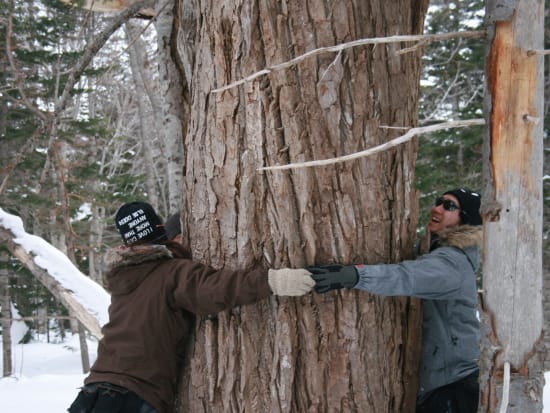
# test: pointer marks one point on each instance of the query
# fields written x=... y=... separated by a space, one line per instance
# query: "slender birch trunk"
x=174 y=107
x=148 y=128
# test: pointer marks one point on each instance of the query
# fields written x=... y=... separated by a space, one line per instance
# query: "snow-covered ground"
x=47 y=376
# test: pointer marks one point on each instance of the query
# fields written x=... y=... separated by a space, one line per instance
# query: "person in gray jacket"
x=444 y=277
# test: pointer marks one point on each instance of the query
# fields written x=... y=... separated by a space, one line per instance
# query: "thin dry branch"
x=360 y=42
x=538 y=51
x=131 y=41
x=505 y=388
x=385 y=146
x=94 y=47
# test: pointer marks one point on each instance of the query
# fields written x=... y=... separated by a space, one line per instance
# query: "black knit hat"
x=469 y=205
x=138 y=221
x=173 y=226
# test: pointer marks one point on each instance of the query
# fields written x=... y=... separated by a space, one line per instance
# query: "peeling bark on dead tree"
x=339 y=352
x=512 y=269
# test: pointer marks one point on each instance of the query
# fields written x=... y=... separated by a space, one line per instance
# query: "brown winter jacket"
x=154 y=297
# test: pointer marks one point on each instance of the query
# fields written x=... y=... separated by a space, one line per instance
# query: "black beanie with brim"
x=138 y=222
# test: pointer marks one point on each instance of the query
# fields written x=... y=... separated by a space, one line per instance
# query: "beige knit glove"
x=288 y=281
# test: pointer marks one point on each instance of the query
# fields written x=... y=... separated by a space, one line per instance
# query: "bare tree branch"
x=103 y=6
x=385 y=146
x=94 y=47
x=442 y=100
x=538 y=51
x=355 y=43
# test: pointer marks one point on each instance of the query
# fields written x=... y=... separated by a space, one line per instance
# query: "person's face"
x=440 y=215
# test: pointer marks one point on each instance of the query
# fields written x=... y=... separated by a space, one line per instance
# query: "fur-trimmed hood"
x=124 y=256
x=461 y=236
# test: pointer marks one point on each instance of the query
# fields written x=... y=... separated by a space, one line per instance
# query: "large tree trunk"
x=512 y=268
x=343 y=351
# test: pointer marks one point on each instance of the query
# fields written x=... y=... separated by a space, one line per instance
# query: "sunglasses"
x=448 y=205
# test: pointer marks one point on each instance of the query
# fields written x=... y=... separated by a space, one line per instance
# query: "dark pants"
x=461 y=396
x=107 y=398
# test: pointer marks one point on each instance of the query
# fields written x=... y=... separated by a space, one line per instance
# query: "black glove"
x=333 y=276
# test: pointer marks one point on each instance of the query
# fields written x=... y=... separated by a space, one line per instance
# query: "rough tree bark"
x=512 y=269
x=339 y=352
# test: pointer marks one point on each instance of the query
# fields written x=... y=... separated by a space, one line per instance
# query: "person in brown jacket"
x=156 y=291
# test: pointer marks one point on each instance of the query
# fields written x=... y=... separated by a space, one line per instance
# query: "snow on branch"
x=421 y=38
x=77 y=292
x=411 y=133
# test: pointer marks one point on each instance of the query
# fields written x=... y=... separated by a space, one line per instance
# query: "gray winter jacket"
x=445 y=280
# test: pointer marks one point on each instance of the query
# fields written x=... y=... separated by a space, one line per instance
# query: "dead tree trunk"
x=512 y=269
x=58 y=291
x=84 y=354
x=5 y=315
x=339 y=352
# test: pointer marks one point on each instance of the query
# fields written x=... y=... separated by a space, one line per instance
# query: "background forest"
x=107 y=146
